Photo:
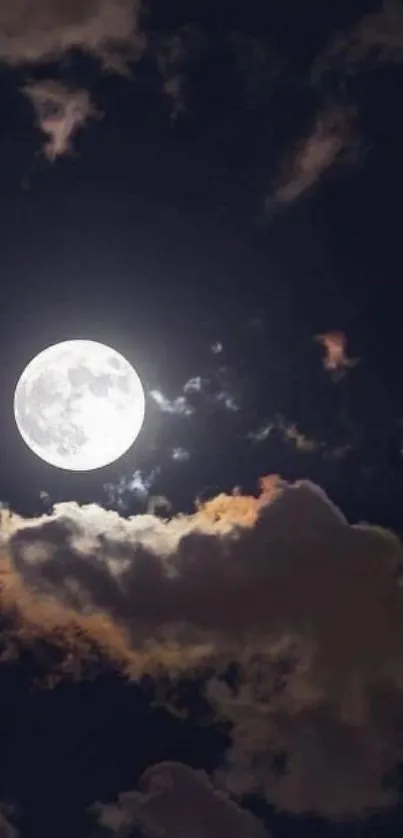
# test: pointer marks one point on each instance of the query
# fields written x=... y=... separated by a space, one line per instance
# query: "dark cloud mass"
x=306 y=606
x=377 y=37
x=176 y=801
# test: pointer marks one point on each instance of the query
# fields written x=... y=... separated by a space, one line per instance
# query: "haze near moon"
x=79 y=405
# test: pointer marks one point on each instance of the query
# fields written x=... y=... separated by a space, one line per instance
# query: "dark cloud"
x=377 y=37
x=308 y=607
x=314 y=154
x=7 y=830
x=175 y=54
x=176 y=801
x=121 y=493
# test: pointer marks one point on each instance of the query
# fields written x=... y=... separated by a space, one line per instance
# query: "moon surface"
x=79 y=405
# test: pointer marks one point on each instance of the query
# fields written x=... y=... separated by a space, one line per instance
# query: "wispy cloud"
x=34 y=32
x=60 y=112
x=289 y=431
x=313 y=155
x=215 y=390
x=177 y=406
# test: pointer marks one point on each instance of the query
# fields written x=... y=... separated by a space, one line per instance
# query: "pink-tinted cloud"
x=60 y=112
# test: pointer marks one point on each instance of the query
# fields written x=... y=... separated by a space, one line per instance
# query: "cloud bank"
x=307 y=607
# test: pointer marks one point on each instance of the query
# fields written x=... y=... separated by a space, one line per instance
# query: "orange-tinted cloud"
x=307 y=607
x=335 y=345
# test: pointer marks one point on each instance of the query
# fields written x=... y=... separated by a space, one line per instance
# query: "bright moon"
x=79 y=405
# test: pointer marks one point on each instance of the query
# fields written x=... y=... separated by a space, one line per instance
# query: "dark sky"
x=207 y=187
x=165 y=230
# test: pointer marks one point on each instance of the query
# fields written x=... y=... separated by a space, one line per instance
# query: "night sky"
x=214 y=190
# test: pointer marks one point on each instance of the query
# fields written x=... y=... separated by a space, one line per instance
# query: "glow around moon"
x=79 y=405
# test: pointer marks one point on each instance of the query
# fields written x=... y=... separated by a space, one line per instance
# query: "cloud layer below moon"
x=306 y=607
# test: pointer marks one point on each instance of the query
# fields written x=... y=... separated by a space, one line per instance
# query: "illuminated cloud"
x=306 y=607
x=35 y=31
x=176 y=801
x=180 y=455
x=215 y=390
x=175 y=406
x=335 y=346
x=59 y=112
x=289 y=431
x=313 y=155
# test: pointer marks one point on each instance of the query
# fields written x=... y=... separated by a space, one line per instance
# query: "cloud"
x=121 y=492
x=176 y=801
x=335 y=359
x=313 y=155
x=59 y=112
x=175 y=54
x=217 y=389
x=36 y=31
x=175 y=406
x=289 y=432
x=307 y=608
x=7 y=830
x=377 y=37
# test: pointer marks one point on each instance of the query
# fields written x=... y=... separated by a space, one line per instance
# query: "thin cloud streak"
x=313 y=155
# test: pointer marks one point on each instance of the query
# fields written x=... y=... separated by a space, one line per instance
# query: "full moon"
x=79 y=405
